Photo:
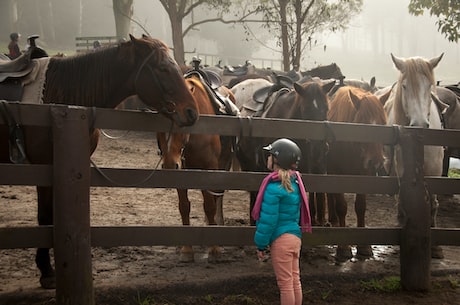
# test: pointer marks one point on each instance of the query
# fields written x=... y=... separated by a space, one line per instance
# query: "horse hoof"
x=436 y=252
x=364 y=251
x=343 y=253
x=48 y=282
x=187 y=257
x=214 y=255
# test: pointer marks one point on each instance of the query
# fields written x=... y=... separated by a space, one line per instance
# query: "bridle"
x=167 y=105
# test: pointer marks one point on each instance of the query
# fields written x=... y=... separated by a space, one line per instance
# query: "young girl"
x=280 y=206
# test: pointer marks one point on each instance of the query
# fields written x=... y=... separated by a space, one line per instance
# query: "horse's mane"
x=88 y=79
x=369 y=110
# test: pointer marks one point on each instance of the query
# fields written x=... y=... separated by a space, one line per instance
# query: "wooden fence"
x=86 y=44
x=71 y=174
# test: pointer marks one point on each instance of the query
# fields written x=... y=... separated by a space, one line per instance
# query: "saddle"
x=211 y=78
x=263 y=98
x=211 y=82
x=282 y=82
x=12 y=71
x=237 y=71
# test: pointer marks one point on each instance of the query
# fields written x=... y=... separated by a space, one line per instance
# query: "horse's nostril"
x=192 y=115
x=177 y=166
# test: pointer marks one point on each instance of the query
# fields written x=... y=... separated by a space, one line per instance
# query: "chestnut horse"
x=353 y=105
x=200 y=151
x=411 y=103
x=103 y=78
x=306 y=101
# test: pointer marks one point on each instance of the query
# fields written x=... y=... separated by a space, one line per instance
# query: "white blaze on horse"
x=410 y=103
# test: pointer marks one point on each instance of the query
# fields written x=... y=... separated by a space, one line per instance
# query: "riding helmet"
x=286 y=153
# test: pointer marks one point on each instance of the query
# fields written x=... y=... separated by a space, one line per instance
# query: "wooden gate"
x=72 y=176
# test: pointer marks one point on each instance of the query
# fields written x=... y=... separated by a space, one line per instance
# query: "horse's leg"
x=186 y=252
x=209 y=205
x=360 y=210
x=45 y=217
x=341 y=208
x=252 y=202
x=332 y=212
x=436 y=251
x=321 y=208
x=312 y=205
x=219 y=209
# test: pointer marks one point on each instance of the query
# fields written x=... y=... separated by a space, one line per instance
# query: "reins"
x=17 y=150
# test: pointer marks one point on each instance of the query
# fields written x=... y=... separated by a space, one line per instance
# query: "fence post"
x=415 y=257
x=71 y=182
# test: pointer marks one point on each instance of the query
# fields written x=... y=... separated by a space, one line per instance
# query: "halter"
x=167 y=106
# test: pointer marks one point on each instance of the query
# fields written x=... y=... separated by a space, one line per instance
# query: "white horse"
x=410 y=103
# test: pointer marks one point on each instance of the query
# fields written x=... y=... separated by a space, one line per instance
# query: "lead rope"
x=149 y=176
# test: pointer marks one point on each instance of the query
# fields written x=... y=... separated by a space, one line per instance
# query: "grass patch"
x=454 y=173
x=387 y=284
x=239 y=299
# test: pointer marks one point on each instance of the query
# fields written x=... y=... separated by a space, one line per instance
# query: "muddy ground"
x=154 y=275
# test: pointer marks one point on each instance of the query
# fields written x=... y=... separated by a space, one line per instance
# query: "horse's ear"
x=355 y=99
x=399 y=62
x=328 y=87
x=298 y=88
x=384 y=98
x=132 y=37
x=190 y=86
x=372 y=82
x=435 y=61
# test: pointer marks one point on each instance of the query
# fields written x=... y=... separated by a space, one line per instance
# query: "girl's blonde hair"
x=285 y=177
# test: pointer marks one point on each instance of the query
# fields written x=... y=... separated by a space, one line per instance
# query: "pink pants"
x=285 y=251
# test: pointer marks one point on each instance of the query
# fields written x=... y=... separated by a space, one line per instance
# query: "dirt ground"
x=154 y=275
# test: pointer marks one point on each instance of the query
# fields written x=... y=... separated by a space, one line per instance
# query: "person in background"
x=96 y=44
x=280 y=207
x=13 y=46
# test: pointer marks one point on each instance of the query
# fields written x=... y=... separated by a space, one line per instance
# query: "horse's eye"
x=163 y=68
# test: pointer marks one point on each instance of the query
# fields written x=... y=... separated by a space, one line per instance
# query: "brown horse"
x=306 y=101
x=353 y=105
x=199 y=151
x=104 y=78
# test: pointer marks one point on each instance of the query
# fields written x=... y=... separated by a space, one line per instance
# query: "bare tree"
x=178 y=10
x=123 y=13
x=293 y=21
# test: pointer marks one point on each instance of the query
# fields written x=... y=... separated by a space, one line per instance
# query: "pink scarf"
x=305 y=221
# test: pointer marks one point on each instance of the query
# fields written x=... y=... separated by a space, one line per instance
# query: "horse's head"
x=354 y=105
x=171 y=147
x=312 y=100
x=413 y=90
x=158 y=81
x=312 y=103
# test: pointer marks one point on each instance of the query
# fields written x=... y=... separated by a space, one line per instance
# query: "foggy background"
x=362 y=51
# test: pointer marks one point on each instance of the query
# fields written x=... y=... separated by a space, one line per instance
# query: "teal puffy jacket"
x=279 y=214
